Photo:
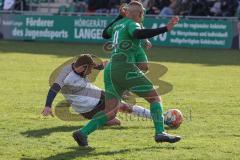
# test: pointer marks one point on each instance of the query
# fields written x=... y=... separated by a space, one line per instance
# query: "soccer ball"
x=173 y=118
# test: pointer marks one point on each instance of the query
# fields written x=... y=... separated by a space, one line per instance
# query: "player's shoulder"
x=65 y=70
x=73 y=78
x=67 y=67
x=127 y=22
x=61 y=73
x=120 y=24
x=124 y=21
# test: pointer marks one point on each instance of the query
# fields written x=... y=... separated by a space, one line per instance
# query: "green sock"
x=98 y=120
x=157 y=116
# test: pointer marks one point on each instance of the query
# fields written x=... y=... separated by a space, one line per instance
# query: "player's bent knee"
x=153 y=97
x=111 y=114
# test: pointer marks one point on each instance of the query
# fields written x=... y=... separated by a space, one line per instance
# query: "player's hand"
x=101 y=66
x=172 y=23
x=148 y=44
x=104 y=63
x=47 y=111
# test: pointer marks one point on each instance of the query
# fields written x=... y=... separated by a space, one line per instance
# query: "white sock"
x=141 y=112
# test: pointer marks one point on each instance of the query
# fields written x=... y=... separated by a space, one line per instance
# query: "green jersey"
x=123 y=41
x=122 y=73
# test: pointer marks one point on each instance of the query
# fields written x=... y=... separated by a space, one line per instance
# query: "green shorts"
x=120 y=76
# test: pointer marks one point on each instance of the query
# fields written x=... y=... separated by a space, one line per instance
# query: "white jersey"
x=78 y=91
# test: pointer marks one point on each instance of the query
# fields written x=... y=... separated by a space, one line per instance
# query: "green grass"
x=207 y=81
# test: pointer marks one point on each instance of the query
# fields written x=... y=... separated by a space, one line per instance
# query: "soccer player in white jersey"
x=84 y=97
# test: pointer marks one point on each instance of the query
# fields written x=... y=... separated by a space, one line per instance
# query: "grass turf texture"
x=207 y=81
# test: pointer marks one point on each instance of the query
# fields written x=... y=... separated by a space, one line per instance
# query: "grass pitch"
x=205 y=81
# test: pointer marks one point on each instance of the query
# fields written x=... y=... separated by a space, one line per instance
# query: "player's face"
x=139 y=17
x=84 y=69
x=89 y=70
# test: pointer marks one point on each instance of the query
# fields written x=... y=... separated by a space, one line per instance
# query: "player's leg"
x=136 y=82
x=101 y=117
x=111 y=109
x=98 y=120
x=143 y=87
x=135 y=110
x=112 y=98
x=156 y=109
x=114 y=122
x=101 y=107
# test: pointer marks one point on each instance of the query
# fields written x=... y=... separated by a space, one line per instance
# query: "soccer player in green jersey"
x=121 y=74
x=140 y=56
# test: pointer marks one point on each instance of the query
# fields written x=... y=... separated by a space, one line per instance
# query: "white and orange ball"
x=173 y=118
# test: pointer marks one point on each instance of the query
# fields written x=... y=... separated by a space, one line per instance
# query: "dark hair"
x=84 y=59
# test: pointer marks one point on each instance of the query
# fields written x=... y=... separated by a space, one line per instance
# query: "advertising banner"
x=188 y=33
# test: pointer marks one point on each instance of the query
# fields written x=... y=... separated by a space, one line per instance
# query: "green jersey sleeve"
x=110 y=30
x=132 y=26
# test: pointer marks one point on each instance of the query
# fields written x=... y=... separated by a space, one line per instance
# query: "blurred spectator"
x=8 y=4
x=99 y=6
x=113 y=6
x=199 y=8
x=163 y=3
x=20 y=5
x=145 y=3
x=229 y=7
x=238 y=10
x=216 y=9
x=14 y=5
x=152 y=7
x=184 y=8
x=170 y=9
x=104 y=6
x=81 y=5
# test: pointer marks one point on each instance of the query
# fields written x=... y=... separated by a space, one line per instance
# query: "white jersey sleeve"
x=63 y=74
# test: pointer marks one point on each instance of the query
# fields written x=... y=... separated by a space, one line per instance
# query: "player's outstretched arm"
x=101 y=66
x=149 y=33
x=53 y=91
